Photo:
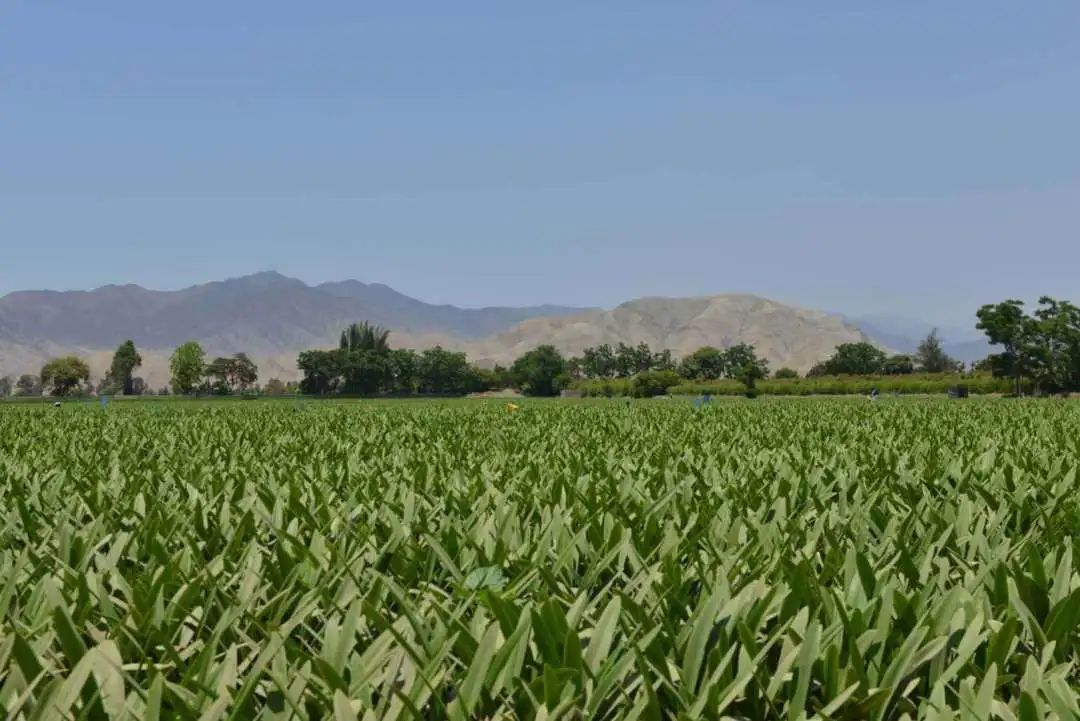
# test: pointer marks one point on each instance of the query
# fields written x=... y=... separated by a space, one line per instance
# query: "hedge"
x=915 y=383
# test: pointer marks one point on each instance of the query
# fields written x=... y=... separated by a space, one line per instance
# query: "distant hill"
x=785 y=335
x=266 y=315
x=409 y=315
x=272 y=317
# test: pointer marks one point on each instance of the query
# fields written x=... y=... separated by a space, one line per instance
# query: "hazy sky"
x=920 y=157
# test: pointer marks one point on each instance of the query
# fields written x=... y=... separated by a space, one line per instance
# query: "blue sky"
x=914 y=157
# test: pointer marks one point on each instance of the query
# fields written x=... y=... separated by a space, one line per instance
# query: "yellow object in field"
x=510 y=407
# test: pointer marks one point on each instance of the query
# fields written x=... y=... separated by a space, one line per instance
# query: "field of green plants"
x=771 y=559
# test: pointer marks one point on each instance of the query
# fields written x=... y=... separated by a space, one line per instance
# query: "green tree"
x=6 y=386
x=785 y=373
x=366 y=372
x=491 y=379
x=403 y=364
x=539 y=372
x=743 y=364
x=737 y=358
x=322 y=371
x=28 y=385
x=649 y=384
x=931 y=357
x=365 y=336
x=1057 y=328
x=498 y=378
x=630 y=360
x=599 y=362
x=897 y=365
x=362 y=365
x=443 y=371
x=237 y=374
x=138 y=386
x=186 y=367
x=704 y=364
x=1006 y=324
x=662 y=361
x=575 y=368
x=124 y=362
x=274 y=387
x=243 y=373
x=217 y=373
x=64 y=375
x=856 y=359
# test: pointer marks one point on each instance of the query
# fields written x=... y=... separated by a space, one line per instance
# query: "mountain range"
x=272 y=317
x=267 y=315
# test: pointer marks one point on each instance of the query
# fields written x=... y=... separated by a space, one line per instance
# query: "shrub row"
x=915 y=383
x=854 y=385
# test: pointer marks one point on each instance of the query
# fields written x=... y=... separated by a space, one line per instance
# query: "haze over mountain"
x=903 y=334
x=264 y=312
x=272 y=317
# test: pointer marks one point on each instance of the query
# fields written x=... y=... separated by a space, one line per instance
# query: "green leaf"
x=472 y=686
x=1064 y=618
x=808 y=653
x=488 y=578
x=694 y=654
x=603 y=635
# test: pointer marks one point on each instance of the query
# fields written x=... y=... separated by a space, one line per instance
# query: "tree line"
x=864 y=359
x=1039 y=351
x=1043 y=349
x=365 y=364
x=70 y=375
x=190 y=374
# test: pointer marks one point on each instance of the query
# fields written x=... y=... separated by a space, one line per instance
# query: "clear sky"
x=915 y=157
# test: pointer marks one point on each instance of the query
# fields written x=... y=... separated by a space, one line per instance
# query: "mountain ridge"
x=785 y=335
x=268 y=310
x=272 y=317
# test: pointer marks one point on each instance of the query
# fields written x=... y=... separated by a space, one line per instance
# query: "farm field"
x=775 y=559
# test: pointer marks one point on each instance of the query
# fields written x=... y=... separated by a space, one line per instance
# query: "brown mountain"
x=272 y=318
x=267 y=315
x=785 y=335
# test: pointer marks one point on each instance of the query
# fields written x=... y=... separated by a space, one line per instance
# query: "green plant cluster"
x=820 y=559
x=913 y=384
x=916 y=383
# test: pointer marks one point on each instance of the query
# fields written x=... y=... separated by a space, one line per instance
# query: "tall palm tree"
x=365 y=336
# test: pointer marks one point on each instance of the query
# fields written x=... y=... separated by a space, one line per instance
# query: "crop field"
x=775 y=559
